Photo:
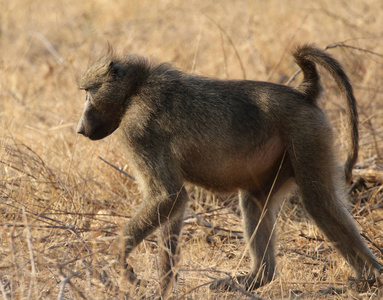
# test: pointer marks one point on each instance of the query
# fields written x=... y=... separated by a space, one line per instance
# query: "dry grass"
x=61 y=205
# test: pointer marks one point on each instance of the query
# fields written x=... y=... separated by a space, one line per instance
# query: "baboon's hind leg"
x=321 y=183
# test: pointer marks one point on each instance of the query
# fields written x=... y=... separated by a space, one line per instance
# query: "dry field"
x=61 y=206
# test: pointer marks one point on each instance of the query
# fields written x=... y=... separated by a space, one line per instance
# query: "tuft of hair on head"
x=110 y=49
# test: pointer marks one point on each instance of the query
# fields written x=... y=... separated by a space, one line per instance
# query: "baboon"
x=253 y=137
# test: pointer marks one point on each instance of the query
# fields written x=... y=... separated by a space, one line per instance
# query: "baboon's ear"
x=117 y=71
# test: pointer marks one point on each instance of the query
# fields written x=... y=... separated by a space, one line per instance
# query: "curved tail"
x=306 y=57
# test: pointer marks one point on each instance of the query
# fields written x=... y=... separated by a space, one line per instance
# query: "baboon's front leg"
x=168 y=255
x=152 y=214
x=165 y=211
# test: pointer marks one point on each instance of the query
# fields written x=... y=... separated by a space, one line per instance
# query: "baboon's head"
x=104 y=101
x=109 y=84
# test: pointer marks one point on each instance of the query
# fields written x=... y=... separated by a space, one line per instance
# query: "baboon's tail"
x=306 y=57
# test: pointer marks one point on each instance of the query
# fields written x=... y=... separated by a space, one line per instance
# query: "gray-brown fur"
x=226 y=135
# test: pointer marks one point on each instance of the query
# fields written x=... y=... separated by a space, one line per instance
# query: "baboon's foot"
x=127 y=274
x=363 y=285
x=248 y=282
x=360 y=285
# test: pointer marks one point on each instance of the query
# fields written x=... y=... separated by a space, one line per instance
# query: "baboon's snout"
x=80 y=127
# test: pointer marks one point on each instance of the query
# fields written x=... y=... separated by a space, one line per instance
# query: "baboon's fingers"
x=225 y=284
x=331 y=290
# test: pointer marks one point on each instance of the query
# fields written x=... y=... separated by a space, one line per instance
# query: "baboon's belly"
x=227 y=171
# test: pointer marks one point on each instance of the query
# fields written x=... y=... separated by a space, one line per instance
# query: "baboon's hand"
x=128 y=273
x=248 y=282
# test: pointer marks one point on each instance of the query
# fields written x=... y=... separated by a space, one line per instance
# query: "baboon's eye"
x=91 y=89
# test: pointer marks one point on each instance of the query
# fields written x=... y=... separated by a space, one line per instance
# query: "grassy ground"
x=61 y=205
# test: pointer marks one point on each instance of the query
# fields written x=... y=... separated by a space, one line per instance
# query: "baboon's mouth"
x=100 y=133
